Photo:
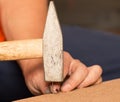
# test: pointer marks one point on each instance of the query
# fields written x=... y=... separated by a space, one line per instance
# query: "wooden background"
x=95 y=14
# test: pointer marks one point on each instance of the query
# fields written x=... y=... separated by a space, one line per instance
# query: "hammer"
x=50 y=48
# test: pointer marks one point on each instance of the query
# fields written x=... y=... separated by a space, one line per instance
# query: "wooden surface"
x=95 y=14
x=105 y=92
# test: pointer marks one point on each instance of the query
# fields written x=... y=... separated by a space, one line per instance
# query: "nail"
x=47 y=91
x=54 y=89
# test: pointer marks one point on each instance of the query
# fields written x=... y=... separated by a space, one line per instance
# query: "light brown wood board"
x=108 y=91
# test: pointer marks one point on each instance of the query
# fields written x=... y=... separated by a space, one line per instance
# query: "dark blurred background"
x=94 y=14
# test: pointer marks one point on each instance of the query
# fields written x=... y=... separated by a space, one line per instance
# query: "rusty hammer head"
x=50 y=48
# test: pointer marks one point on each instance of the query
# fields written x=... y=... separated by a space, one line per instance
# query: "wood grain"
x=21 y=49
x=108 y=91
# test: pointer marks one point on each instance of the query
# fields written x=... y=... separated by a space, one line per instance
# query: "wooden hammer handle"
x=21 y=49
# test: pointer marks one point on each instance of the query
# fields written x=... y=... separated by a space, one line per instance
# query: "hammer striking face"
x=50 y=48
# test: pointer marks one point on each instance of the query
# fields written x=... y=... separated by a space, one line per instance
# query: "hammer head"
x=53 y=47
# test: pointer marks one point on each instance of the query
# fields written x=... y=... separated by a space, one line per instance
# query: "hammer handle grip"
x=21 y=49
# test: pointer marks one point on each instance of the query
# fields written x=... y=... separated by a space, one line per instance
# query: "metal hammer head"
x=53 y=47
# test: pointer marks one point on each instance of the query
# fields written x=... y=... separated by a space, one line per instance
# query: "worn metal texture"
x=53 y=47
